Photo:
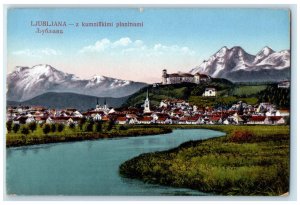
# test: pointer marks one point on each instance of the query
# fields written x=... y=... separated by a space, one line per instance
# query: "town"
x=170 y=111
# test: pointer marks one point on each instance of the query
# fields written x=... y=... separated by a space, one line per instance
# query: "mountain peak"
x=98 y=78
x=222 y=52
x=266 y=51
x=237 y=65
x=25 y=83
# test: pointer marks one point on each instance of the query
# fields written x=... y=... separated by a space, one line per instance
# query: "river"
x=90 y=168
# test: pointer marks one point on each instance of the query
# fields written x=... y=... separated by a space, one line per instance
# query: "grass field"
x=201 y=101
x=248 y=90
x=249 y=160
x=38 y=137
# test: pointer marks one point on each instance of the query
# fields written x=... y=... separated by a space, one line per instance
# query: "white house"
x=237 y=119
x=77 y=114
x=121 y=120
x=210 y=92
x=275 y=120
x=97 y=117
x=49 y=120
x=30 y=119
x=282 y=113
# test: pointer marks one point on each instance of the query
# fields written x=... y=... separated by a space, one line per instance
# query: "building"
x=210 y=92
x=147 y=104
x=284 y=84
x=103 y=108
x=176 y=78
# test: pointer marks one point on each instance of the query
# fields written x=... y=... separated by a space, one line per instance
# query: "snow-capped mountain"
x=25 y=83
x=237 y=65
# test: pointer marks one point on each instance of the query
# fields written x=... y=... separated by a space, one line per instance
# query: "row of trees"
x=96 y=126
x=25 y=129
x=84 y=124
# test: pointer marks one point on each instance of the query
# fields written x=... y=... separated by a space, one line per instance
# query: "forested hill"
x=227 y=94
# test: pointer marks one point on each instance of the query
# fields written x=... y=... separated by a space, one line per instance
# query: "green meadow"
x=249 y=160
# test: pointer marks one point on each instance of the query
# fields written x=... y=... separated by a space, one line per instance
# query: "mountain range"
x=25 y=83
x=236 y=65
x=69 y=100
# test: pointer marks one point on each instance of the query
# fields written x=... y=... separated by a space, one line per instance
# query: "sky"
x=176 y=39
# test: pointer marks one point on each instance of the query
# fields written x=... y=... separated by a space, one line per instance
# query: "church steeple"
x=147 y=95
x=147 y=103
x=97 y=104
x=105 y=106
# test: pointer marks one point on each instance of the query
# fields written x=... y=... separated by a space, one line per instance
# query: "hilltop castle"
x=176 y=78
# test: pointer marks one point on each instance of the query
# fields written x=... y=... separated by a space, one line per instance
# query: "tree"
x=81 y=122
x=46 y=129
x=53 y=127
x=122 y=127
x=111 y=124
x=71 y=125
x=89 y=127
x=16 y=128
x=32 y=126
x=9 y=125
x=60 y=127
x=25 y=130
x=98 y=126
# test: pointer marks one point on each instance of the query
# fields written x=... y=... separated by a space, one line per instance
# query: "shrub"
x=241 y=136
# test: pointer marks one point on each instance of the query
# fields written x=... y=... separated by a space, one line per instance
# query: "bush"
x=241 y=136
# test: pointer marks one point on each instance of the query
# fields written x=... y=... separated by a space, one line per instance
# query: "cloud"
x=37 y=52
x=127 y=46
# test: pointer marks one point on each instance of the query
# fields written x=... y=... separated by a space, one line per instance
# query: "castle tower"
x=164 y=76
x=147 y=104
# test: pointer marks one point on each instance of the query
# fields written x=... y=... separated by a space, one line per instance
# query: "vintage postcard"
x=148 y=101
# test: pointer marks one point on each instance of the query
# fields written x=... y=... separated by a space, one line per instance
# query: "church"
x=176 y=78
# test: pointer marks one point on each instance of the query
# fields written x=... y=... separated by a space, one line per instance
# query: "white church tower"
x=147 y=104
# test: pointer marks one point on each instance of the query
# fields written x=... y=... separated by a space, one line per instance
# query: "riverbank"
x=68 y=135
x=249 y=160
